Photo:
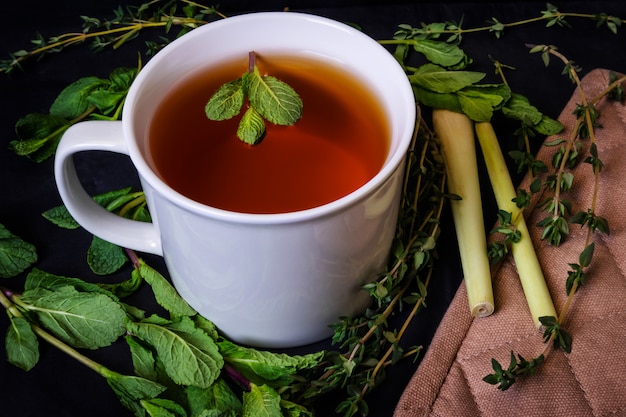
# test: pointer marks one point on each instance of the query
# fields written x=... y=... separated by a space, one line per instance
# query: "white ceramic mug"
x=273 y=280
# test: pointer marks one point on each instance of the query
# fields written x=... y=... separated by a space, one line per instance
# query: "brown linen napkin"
x=591 y=380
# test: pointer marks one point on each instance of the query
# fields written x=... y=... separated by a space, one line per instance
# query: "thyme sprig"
x=125 y=26
x=453 y=32
x=556 y=224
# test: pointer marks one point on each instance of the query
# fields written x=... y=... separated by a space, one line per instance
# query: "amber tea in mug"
x=339 y=144
x=265 y=269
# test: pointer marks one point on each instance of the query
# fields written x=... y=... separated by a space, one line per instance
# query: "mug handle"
x=99 y=135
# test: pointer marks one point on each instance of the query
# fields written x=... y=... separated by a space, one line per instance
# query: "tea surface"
x=338 y=145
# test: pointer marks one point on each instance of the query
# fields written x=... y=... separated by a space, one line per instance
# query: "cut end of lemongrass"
x=456 y=137
x=482 y=309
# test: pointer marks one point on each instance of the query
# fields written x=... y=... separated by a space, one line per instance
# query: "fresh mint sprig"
x=88 y=98
x=268 y=99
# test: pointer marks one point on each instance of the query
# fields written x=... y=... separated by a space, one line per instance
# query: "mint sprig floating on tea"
x=268 y=99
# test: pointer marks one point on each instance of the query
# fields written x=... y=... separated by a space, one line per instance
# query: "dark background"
x=58 y=386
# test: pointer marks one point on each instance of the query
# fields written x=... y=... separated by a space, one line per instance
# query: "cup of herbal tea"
x=271 y=241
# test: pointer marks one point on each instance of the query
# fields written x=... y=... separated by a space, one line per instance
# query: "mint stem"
x=251 y=61
x=133 y=258
x=9 y=301
x=241 y=380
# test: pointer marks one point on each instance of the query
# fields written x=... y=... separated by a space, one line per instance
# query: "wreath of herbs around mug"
x=182 y=366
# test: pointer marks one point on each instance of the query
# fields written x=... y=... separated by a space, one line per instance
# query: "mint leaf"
x=165 y=294
x=226 y=102
x=104 y=94
x=219 y=397
x=251 y=127
x=143 y=360
x=206 y=325
x=104 y=257
x=548 y=126
x=440 y=53
x=122 y=78
x=275 y=100
x=269 y=98
x=15 y=254
x=106 y=101
x=259 y=366
x=74 y=99
x=437 y=100
x=478 y=102
x=109 y=100
x=21 y=344
x=261 y=401
x=130 y=390
x=292 y=409
x=111 y=200
x=519 y=108
x=61 y=217
x=38 y=135
x=188 y=354
x=80 y=319
x=160 y=407
x=476 y=107
x=439 y=80
x=125 y=288
x=45 y=280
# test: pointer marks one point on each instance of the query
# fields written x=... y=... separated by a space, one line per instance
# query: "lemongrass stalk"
x=456 y=135
x=528 y=267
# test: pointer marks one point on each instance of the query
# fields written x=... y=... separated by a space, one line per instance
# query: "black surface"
x=58 y=386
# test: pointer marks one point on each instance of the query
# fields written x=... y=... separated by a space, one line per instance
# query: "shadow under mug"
x=271 y=280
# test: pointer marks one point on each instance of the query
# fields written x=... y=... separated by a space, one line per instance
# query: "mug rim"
x=147 y=173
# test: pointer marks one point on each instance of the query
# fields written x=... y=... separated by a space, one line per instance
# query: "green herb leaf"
x=21 y=344
x=518 y=107
x=561 y=338
x=143 y=360
x=160 y=407
x=122 y=78
x=41 y=279
x=291 y=409
x=269 y=99
x=38 y=135
x=189 y=355
x=275 y=369
x=478 y=102
x=165 y=294
x=477 y=107
x=227 y=101
x=548 y=126
x=83 y=320
x=104 y=257
x=106 y=101
x=61 y=217
x=261 y=401
x=440 y=53
x=219 y=397
x=206 y=326
x=15 y=254
x=275 y=100
x=132 y=389
x=74 y=99
x=251 y=127
x=437 y=100
x=111 y=200
x=439 y=80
